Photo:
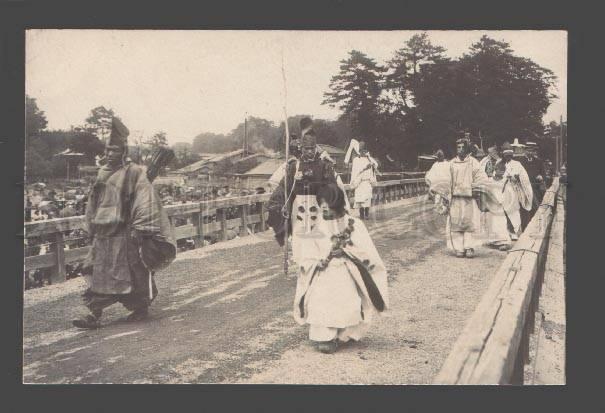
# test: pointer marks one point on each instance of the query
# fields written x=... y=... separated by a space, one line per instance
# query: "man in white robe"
x=363 y=176
x=518 y=185
x=464 y=214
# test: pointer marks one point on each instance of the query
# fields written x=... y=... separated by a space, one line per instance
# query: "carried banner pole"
x=286 y=214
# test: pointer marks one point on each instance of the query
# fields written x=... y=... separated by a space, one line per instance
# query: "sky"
x=188 y=82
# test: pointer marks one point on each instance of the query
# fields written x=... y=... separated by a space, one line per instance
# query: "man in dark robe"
x=535 y=170
x=131 y=236
x=304 y=177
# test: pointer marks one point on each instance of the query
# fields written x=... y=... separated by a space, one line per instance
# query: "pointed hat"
x=119 y=134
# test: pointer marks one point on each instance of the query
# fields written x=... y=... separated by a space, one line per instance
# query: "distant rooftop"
x=211 y=158
x=265 y=168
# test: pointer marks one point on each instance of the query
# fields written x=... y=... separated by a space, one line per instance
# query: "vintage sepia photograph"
x=295 y=207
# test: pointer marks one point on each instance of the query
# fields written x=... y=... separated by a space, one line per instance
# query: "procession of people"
x=341 y=279
x=490 y=201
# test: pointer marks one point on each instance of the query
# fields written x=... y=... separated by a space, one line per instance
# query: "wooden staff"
x=286 y=215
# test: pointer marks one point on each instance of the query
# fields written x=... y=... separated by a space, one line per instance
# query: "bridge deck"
x=224 y=316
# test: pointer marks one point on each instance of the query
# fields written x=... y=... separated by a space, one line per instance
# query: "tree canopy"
x=422 y=100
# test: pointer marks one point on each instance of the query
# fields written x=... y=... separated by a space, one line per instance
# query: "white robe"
x=496 y=219
x=362 y=180
x=334 y=300
x=522 y=188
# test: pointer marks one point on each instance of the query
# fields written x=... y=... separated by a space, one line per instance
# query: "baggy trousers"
x=137 y=299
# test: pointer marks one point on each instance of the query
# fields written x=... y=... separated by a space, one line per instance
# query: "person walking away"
x=131 y=236
x=363 y=176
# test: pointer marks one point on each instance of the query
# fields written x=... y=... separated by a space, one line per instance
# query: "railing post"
x=199 y=221
x=261 y=211
x=244 y=213
x=58 y=273
x=221 y=215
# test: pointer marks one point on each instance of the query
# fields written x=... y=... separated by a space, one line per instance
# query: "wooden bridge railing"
x=494 y=346
x=198 y=219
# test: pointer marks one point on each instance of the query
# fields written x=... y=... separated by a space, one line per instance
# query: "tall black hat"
x=119 y=135
x=306 y=124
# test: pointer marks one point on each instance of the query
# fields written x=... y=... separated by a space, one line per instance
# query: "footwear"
x=470 y=253
x=504 y=247
x=138 y=315
x=89 y=322
x=459 y=254
x=327 y=347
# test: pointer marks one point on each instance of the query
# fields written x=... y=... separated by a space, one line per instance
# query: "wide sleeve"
x=151 y=224
x=147 y=211
x=276 y=220
x=365 y=255
x=524 y=187
x=276 y=203
x=440 y=179
x=278 y=175
x=355 y=169
x=484 y=192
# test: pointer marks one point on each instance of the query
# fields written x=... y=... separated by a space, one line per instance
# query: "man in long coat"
x=295 y=208
x=131 y=235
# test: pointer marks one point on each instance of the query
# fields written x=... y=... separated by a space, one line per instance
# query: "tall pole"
x=246 y=134
x=287 y=140
x=561 y=144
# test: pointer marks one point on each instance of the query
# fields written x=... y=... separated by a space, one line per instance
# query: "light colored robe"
x=464 y=217
x=363 y=175
x=496 y=220
x=523 y=187
x=338 y=298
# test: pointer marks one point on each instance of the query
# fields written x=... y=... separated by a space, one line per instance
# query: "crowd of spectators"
x=43 y=202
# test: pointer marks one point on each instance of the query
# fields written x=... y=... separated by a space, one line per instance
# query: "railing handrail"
x=494 y=344
x=50 y=226
x=196 y=228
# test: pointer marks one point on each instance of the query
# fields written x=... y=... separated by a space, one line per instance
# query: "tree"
x=403 y=70
x=156 y=140
x=262 y=135
x=489 y=92
x=83 y=141
x=99 y=122
x=35 y=119
x=506 y=96
x=183 y=154
x=356 y=90
x=207 y=142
